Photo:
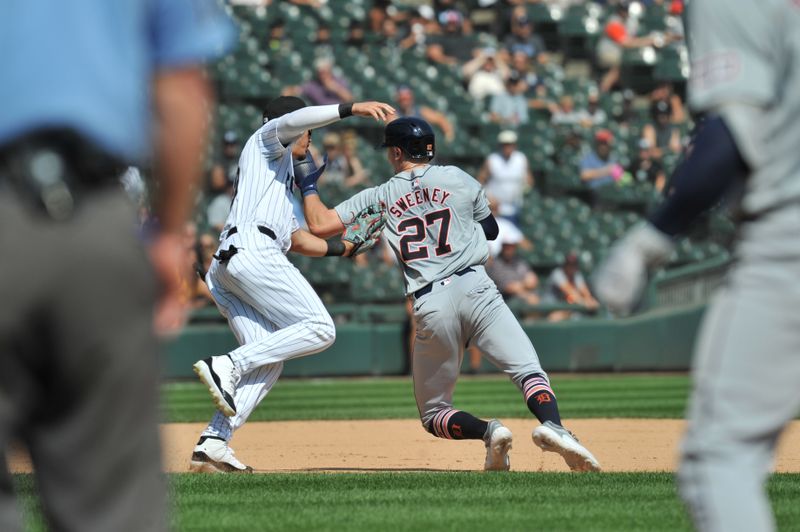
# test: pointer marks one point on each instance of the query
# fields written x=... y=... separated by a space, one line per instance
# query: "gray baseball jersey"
x=744 y=67
x=432 y=221
x=433 y=231
x=746 y=369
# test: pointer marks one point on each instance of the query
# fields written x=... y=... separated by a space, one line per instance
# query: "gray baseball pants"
x=79 y=381
x=458 y=312
x=746 y=377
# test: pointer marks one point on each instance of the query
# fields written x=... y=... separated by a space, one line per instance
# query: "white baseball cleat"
x=498 y=443
x=220 y=376
x=213 y=455
x=557 y=439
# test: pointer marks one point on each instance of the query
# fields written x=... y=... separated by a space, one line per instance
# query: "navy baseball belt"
x=428 y=287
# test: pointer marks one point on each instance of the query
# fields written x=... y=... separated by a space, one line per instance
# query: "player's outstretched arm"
x=292 y=125
x=322 y=221
x=714 y=163
x=309 y=245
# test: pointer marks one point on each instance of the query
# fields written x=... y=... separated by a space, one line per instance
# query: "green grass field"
x=438 y=501
x=651 y=396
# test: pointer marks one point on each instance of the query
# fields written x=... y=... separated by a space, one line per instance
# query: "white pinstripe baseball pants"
x=274 y=314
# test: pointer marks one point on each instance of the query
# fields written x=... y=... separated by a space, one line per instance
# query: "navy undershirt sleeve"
x=712 y=166
x=490 y=228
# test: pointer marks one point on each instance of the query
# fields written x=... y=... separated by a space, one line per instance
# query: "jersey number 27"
x=414 y=231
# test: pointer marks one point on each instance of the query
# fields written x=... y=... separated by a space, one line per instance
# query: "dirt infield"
x=402 y=445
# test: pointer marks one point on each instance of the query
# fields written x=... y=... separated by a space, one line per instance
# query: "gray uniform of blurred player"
x=745 y=76
x=437 y=217
x=746 y=58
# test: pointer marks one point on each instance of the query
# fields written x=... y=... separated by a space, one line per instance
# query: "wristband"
x=309 y=190
x=345 y=110
x=335 y=248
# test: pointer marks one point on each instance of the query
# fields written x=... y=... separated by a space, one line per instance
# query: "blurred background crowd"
x=571 y=113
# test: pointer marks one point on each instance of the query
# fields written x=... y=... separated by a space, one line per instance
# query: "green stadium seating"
x=556 y=215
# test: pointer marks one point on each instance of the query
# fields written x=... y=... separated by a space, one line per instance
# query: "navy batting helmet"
x=413 y=135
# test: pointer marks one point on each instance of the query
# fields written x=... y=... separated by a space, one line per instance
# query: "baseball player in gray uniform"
x=746 y=372
x=438 y=224
x=273 y=311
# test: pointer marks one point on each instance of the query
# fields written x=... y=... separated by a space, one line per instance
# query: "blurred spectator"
x=393 y=38
x=646 y=169
x=662 y=135
x=441 y=6
x=421 y=24
x=626 y=114
x=355 y=35
x=619 y=34
x=452 y=46
x=506 y=175
x=220 y=205
x=567 y=285
x=276 y=40
x=512 y=275
x=205 y=247
x=226 y=167
x=565 y=113
x=222 y=180
x=323 y=47
x=406 y=106
x=191 y=294
x=377 y=14
x=598 y=167
x=325 y=88
x=485 y=74
x=535 y=89
x=316 y=4
x=522 y=38
x=596 y=116
x=344 y=167
x=207 y=244
x=510 y=107
x=571 y=149
x=506 y=229
x=665 y=93
x=522 y=68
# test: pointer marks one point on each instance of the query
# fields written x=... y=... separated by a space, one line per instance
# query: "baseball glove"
x=365 y=230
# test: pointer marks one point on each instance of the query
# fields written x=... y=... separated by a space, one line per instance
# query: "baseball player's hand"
x=621 y=278
x=306 y=174
x=365 y=231
x=167 y=256
x=377 y=110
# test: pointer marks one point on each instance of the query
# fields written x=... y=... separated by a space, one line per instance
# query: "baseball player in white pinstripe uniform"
x=271 y=308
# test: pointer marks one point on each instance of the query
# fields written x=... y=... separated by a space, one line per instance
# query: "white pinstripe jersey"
x=263 y=191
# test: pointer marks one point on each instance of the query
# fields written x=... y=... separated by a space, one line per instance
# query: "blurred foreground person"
x=746 y=368
x=79 y=379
